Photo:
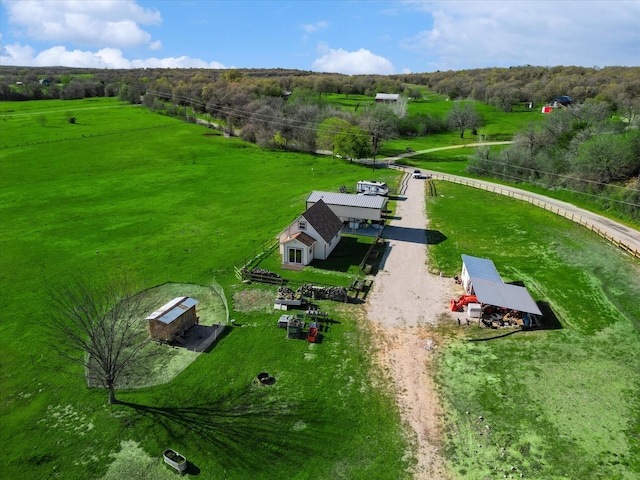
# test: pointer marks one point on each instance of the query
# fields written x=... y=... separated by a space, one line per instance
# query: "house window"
x=302 y=225
x=295 y=255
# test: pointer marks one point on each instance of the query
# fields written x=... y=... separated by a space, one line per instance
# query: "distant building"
x=387 y=97
x=562 y=101
x=559 y=102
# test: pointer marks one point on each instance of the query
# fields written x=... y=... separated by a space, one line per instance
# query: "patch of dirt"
x=132 y=461
x=254 y=300
x=406 y=305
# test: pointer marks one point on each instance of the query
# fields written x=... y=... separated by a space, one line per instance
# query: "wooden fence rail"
x=542 y=204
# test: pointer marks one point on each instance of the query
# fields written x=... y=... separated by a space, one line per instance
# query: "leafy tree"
x=232 y=75
x=73 y=90
x=99 y=324
x=607 y=158
x=463 y=116
x=353 y=142
x=329 y=130
x=279 y=140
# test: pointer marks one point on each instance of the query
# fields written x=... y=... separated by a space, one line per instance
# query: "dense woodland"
x=593 y=146
x=502 y=87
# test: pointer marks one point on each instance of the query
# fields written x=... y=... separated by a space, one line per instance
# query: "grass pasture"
x=172 y=202
x=166 y=201
x=555 y=403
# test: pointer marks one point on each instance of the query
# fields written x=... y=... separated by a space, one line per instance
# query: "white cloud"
x=173 y=62
x=101 y=23
x=500 y=33
x=310 y=28
x=157 y=45
x=24 y=55
x=351 y=63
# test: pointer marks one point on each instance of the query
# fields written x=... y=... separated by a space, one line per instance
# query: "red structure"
x=313 y=333
x=456 y=305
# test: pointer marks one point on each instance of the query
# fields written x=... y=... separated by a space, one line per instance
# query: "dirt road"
x=405 y=302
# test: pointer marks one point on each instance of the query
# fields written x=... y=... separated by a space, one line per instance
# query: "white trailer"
x=371 y=187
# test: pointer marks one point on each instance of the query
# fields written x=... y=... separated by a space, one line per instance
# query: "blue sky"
x=350 y=37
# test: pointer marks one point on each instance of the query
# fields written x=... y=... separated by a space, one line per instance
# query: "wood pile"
x=338 y=294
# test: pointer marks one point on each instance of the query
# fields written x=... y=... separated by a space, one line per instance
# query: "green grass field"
x=125 y=189
x=533 y=403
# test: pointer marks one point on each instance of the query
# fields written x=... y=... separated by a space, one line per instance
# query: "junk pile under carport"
x=493 y=302
x=503 y=317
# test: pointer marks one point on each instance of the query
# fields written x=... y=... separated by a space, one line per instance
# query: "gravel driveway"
x=406 y=300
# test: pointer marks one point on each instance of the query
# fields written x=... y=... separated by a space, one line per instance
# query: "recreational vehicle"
x=365 y=187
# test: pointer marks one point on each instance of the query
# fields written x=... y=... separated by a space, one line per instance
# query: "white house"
x=313 y=235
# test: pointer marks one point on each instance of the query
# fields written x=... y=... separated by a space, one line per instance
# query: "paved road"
x=614 y=230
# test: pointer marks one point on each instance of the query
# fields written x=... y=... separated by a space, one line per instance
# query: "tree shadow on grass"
x=234 y=432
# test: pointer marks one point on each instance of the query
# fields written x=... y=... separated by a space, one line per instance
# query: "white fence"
x=539 y=203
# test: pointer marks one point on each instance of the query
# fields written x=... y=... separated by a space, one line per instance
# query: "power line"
x=567 y=177
x=566 y=189
x=312 y=126
x=279 y=121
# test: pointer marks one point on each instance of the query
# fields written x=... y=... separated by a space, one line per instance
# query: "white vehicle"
x=372 y=187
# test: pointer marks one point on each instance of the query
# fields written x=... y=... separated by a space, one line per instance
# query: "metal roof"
x=504 y=295
x=491 y=289
x=348 y=200
x=481 y=268
x=387 y=96
x=173 y=309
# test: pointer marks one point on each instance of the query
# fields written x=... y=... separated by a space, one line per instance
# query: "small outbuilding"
x=173 y=319
x=481 y=278
x=387 y=97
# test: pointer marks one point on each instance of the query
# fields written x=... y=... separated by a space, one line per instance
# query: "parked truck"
x=371 y=187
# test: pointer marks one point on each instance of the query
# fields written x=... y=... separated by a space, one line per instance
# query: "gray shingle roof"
x=323 y=220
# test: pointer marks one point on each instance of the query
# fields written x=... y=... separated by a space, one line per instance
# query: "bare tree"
x=100 y=325
x=381 y=123
x=463 y=116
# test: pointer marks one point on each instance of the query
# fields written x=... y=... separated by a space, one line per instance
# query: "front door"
x=295 y=255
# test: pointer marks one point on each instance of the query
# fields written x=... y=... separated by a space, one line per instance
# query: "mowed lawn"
x=126 y=190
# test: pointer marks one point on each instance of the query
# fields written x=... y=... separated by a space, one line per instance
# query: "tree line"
x=502 y=87
x=583 y=149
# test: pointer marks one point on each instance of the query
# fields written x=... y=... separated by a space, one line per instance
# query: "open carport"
x=351 y=208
